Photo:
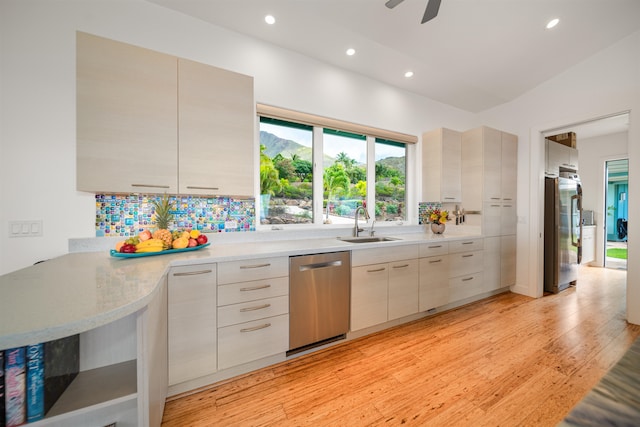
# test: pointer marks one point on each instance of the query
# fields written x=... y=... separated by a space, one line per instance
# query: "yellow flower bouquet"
x=436 y=216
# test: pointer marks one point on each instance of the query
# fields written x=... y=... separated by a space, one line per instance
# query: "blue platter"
x=117 y=254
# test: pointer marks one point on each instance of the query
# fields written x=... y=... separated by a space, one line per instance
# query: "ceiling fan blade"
x=393 y=3
x=431 y=11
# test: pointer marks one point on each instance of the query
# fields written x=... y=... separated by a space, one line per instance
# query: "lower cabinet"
x=434 y=282
x=253 y=310
x=383 y=291
x=499 y=262
x=588 y=243
x=248 y=341
x=192 y=322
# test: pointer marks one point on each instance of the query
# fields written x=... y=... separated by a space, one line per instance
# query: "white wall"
x=606 y=83
x=592 y=156
x=37 y=102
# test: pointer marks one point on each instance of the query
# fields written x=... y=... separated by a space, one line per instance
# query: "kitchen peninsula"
x=119 y=308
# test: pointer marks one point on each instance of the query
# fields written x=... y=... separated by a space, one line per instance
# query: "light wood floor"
x=505 y=361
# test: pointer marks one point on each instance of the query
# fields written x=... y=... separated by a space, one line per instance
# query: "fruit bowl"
x=117 y=254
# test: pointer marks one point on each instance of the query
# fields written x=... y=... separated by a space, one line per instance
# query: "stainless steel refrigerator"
x=562 y=231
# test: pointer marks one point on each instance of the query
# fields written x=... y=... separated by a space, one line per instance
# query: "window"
x=360 y=166
x=286 y=172
x=345 y=175
x=391 y=167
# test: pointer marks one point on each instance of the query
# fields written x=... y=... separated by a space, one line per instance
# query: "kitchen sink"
x=367 y=239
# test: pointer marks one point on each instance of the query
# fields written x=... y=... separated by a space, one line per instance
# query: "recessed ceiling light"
x=408 y=74
x=552 y=23
x=351 y=51
x=269 y=19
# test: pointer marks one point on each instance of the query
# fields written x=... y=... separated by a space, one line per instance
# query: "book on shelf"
x=35 y=382
x=15 y=386
x=61 y=366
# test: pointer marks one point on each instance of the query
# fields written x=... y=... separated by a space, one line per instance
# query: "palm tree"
x=335 y=179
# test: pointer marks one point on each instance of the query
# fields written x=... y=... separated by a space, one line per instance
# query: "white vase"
x=437 y=228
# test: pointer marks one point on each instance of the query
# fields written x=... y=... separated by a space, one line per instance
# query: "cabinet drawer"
x=252 y=310
x=465 y=286
x=434 y=248
x=465 y=245
x=252 y=269
x=245 y=342
x=249 y=291
x=380 y=255
x=465 y=263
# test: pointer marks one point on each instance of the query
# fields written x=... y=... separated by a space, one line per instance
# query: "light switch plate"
x=25 y=228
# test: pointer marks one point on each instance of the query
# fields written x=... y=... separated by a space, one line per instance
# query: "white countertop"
x=81 y=291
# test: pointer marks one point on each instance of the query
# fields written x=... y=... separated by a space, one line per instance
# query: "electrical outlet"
x=25 y=228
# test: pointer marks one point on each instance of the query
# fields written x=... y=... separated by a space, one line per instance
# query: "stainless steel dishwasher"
x=319 y=299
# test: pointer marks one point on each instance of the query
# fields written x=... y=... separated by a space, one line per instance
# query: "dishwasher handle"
x=319 y=265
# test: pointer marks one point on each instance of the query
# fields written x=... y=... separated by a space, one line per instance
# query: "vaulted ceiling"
x=475 y=55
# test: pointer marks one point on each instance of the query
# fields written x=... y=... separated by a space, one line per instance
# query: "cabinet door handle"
x=435 y=247
x=401 y=266
x=195 y=187
x=257 y=307
x=193 y=273
x=254 y=288
x=376 y=270
x=467 y=256
x=245 y=267
x=467 y=243
x=507 y=206
x=495 y=206
x=255 y=328
x=435 y=261
x=449 y=198
x=495 y=198
x=150 y=185
x=507 y=199
x=467 y=279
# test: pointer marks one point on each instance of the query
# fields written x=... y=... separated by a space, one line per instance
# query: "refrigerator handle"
x=575 y=207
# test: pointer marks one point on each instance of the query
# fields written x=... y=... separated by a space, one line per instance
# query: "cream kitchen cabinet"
x=489 y=165
x=588 y=243
x=126 y=127
x=559 y=156
x=216 y=130
x=434 y=275
x=384 y=285
x=150 y=122
x=253 y=310
x=466 y=266
x=192 y=322
x=441 y=166
x=499 y=262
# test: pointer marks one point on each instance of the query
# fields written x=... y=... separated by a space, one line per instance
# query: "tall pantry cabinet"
x=489 y=185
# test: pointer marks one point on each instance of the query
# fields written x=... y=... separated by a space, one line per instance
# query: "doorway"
x=617 y=210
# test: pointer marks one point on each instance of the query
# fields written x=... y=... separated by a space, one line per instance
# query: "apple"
x=192 y=243
x=144 y=235
x=202 y=239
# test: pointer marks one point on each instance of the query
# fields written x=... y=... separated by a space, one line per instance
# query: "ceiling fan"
x=430 y=12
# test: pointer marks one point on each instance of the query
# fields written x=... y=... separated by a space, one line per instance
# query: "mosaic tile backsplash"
x=423 y=207
x=127 y=215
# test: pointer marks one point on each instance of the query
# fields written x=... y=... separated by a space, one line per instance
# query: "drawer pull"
x=435 y=260
x=254 y=288
x=507 y=206
x=495 y=198
x=194 y=187
x=257 y=307
x=495 y=206
x=467 y=243
x=401 y=266
x=255 y=328
x=193 y=273
x=467 y=279
x=467 y=256
x=245 y=267
x=435 y=247
x=376 y=270
x=150 y=185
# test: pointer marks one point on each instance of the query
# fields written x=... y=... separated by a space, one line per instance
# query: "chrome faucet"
x=356 y=229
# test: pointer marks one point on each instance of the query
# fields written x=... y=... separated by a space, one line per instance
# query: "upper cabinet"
x=559 y=156
x=489 y=167
x=126 y=118
x=216 y=130
x=149 y=122
x=441 y=166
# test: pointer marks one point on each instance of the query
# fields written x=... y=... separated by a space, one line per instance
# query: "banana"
x=149 y=249
x=151 y=245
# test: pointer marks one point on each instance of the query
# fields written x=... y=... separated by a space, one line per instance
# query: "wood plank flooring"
x=508 y=360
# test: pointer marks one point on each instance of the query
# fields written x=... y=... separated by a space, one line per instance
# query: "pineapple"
x=163 y=218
